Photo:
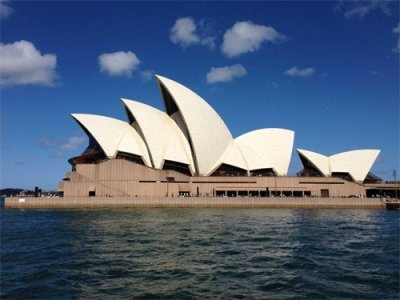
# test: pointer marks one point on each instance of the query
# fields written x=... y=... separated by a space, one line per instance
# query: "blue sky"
x=327 y=70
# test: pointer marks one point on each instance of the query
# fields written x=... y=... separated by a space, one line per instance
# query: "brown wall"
x=118 y=177
x=234 y=202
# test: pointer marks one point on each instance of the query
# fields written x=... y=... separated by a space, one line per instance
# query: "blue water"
x=200 y=254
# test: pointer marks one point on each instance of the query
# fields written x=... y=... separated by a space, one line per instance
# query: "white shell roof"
x=319 y=161
x=208 y=133
x=163 y=137
x=356 y=162
x=267 y=148
x=114 y=135
x=234 y=157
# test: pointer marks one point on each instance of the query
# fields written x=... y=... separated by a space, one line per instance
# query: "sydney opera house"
x=189 y=151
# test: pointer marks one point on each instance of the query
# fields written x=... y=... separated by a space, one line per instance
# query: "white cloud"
x=360 y=9
x=246 y=37
x=74 y=142
x=22 y=63
x=184 y=32
x=5 y=9
x=225 y=74
x=296 y=72
x=397 y=30
x=119 y=63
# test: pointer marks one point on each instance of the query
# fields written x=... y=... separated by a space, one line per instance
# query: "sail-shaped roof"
x=319 y=161
x=113 y=135
x=234 y=157
x=190 y=132
x=267 y=148
x=164 y=139
x=356 y=163
x=207 y=133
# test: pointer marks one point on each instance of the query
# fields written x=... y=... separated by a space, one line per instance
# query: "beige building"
x=189 y=151
x=121 y=177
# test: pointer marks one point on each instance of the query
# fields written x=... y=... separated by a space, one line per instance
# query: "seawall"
x=190 y=202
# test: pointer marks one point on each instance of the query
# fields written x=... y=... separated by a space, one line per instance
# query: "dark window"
x=243 y=193
x=131 y=157
x=88 y=158
x=176 y=166
x=372 y=178
x=324 y=193
x=275 y=193
x=309 y=169
x=231 y=193
x=92 y=193
x=92 y=154
x=309 y=172
x=342 y=175
x=262 y=172
x=220 y=193
x=297 y=193
x=228 y=170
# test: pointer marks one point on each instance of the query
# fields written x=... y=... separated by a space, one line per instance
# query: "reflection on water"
x=200 y=253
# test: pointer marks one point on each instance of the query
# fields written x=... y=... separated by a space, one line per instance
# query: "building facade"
x=189 y=151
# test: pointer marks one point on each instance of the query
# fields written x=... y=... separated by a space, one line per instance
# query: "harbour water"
x=200 y=253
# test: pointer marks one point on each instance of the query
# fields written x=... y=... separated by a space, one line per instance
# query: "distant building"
x=189 y=151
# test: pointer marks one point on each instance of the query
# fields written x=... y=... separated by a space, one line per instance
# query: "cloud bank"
x=224 y=74
x=21 y=63
x=119 y=63
x=245 y=37
x=297 y=72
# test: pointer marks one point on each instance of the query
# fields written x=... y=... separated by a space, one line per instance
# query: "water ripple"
x=200 y=253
